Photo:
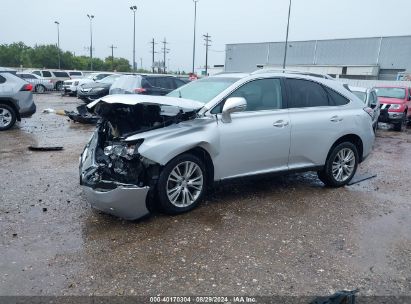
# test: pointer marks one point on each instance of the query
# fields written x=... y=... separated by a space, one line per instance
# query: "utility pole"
x=195 y=26
x=58 y=41
x=112 y=47
x=134 y=9
x=153 y=51
x=207 y=41
x=286 y=37
x=165 y=52
x=141 y=63
x=91 y=17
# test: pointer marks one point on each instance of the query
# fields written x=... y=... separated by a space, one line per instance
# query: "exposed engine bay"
x=118 y=161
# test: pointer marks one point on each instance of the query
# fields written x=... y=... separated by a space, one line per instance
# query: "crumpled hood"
x=135 y=99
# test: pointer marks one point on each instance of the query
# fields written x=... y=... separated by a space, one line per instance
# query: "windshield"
x=398 y=93
x=360 y=95
x=109 y=79
x=203 y=90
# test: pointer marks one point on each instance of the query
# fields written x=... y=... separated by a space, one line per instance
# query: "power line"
x=112 y=47
x=165 y=51
x=153 y=52
x=207 y=44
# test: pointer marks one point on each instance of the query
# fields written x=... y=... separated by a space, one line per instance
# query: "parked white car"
x=71 y=86
x=40 y=84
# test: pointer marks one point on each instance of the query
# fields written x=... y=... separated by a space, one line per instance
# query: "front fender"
x=166 y=145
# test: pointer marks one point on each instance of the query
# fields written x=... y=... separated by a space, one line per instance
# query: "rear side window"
x=101 y=76
x=75 y=74
x=2 y=79
x=305 y=94
x=37 y=73
x=335 y=99
x=61 y=74
x=46 y=74
x=27 y=76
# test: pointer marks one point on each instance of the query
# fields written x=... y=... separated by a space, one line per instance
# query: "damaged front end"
x=116 y=178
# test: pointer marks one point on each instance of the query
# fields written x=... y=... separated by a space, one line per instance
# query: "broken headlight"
x=123 y=150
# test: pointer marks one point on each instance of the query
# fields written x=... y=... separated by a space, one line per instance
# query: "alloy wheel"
x=5 y=117
x=185 y=184
x=343 y=165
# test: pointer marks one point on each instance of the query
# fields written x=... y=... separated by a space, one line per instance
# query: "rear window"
x=128 y=83
x=61 y=74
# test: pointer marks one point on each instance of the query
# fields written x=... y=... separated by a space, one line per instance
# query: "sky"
x=226 y=21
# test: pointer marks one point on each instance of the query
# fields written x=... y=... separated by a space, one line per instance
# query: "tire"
x=59 y=86
x=8 y=117
x=329 y=174
x=40 y=89
x=175 y=194
x=399 y=127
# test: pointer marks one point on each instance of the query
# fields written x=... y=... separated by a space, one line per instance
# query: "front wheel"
x=340 y=166
x=182 y=184
x=59 y=86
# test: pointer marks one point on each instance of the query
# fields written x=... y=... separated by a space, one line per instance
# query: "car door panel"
x=251 y=144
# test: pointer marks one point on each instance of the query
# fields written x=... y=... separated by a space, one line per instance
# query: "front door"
x=258 y=139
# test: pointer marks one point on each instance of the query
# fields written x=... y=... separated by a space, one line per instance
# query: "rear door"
x=318 y=116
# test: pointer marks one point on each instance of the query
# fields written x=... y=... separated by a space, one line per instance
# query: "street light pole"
x=134 y=9
x=195 y=25
x=286 y=38
x=58 y=41
x=91 y=17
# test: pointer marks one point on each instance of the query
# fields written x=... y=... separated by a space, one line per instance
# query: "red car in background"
x=395 y=105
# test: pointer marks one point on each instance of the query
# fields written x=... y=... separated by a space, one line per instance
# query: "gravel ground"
x=270 y=236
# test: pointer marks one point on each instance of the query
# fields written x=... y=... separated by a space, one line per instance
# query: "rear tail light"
x=27 y=87
x=369 y=111
x=140 y=90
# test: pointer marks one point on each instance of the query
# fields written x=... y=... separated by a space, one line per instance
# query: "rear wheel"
x=340 y=166
x=59 y=86
x=8 y=117
x=182 y=184
x=40 y=88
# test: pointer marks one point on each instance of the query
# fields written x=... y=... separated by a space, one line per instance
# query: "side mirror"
x=232 y=105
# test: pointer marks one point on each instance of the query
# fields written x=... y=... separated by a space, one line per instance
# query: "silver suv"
x=16 y=100
x=151 y=152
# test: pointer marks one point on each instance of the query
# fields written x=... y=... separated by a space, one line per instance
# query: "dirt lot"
x=283 y=236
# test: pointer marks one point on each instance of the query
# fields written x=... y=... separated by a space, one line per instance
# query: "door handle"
x=281 y=124
x=336 y=119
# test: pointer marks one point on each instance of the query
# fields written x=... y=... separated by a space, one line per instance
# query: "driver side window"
x=262 y=94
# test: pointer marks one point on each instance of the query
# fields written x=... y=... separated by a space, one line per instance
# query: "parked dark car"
x=95 y=90
x=146 y=84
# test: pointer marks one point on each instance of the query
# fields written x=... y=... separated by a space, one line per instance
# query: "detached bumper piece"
x=121 y=200
x=83 y=116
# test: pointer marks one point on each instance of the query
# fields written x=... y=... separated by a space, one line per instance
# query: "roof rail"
x=273 y=70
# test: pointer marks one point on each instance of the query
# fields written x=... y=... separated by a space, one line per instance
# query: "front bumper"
x=125 y=201
x=70 y=89
x=391 y=117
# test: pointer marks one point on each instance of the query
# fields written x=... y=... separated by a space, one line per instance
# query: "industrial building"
x=384 y=58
